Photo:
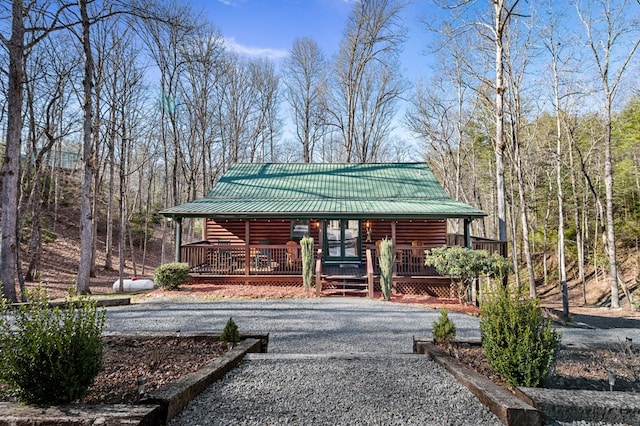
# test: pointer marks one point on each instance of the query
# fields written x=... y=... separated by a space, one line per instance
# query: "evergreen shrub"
x=517 y=340
x=306 y=246
x=170 y=276
x=50 y=355
x=230 y=333
x=386 y=268
x=444 y=330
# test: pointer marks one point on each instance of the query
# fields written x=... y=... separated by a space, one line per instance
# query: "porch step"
x=345 y=285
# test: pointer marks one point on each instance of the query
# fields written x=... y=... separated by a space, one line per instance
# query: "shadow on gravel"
x=603 y=323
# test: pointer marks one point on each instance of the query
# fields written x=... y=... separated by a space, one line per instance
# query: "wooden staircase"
x=345 y=285
x=350 y=279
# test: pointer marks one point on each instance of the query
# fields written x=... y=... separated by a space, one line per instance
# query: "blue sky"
x=269 y=27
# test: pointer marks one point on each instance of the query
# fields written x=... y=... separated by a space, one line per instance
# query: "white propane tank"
x=133 y=284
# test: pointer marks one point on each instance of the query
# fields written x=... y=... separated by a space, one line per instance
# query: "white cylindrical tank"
x=133 y=284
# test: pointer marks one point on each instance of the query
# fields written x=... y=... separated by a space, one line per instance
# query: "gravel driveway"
x=297 y=325
x=331 y=361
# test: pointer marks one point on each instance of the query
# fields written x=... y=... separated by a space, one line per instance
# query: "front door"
x=342 y=242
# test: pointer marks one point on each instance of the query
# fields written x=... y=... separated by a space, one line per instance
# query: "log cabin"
x=256 y=214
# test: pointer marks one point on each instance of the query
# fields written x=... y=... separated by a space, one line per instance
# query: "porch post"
x=467 y=233
x=178 y=237
x=475 y=286
x=247 y=249
x=321 y=235
x=393 y=244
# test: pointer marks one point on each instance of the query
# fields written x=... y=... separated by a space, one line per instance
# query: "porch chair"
x=225 y=259
x=294 y=260
x=263 y=257
x=378 y=242
x=417 y=254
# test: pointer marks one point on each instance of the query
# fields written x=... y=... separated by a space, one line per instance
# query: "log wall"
x=276 y=231
x=432 y=232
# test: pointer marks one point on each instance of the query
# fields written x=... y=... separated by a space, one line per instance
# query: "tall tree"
x=517 y=59
x=502 y=14
x=492 y=27
x=366 y=77
x=88 y=156
x=305 y=78
x=613 y=41
x=555 y=51
x=17 y=46
x=50 y=122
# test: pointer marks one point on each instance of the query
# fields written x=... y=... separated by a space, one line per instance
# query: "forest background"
x=531 y=113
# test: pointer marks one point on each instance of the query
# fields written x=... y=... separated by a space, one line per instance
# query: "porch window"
x=299 y=228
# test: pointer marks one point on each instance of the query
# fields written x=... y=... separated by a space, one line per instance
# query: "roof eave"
x=324 y=215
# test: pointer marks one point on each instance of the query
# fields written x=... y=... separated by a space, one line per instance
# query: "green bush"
x=306 y=244
x=460 y=263
x=230 y=334
x=170 y=276
x=517 y=340
x=444 y=330
x=50 y=355
x=386 y=268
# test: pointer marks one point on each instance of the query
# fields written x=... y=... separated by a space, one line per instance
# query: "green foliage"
x=47 y=235
x=458 y=262
x=230 y=334
x=517 y=340
x=140 y=229
x=306 y=245
x=170 y=276
x=50 y=355
x=444 y=330
x=386 y=268
x=463 y=265
x=497 y=266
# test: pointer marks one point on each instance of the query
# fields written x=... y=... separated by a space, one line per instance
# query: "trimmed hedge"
x=170 y=276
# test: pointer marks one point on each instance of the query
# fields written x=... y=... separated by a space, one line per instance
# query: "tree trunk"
x=86 y=215
x=608 y=188
x=500 y=144
x=11 y=163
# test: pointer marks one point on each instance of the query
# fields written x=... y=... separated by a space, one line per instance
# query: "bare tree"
x=493 y=30
x=517 y=58
x=555 y=51
x=54 y=90
x=613 y=41
x=265 y=125
x=305 y=78
x=201 y=54
x=367 y=81
x=17 y=46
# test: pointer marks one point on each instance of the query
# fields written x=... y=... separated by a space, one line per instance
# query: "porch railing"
x=239 y=259
x=206 y=258
x=409 y=259
x=478 y=243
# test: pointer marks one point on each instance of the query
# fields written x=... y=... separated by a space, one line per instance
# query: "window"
x=299 y=229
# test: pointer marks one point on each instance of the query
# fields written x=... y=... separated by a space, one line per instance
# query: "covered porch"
x=231 y=259
x=255 y=216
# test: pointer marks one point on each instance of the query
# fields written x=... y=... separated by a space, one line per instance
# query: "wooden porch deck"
x=281 y=265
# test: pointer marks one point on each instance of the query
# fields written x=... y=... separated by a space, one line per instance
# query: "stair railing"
x=319 y=273
x=370 y=274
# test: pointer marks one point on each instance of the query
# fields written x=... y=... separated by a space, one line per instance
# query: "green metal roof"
x=377 y=190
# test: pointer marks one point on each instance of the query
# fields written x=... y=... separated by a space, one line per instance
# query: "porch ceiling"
x=327 y=191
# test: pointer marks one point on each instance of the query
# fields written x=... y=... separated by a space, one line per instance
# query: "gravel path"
x=367 y=390
x=352 y=362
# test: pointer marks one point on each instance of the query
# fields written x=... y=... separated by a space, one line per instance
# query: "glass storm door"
x=342 y=241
